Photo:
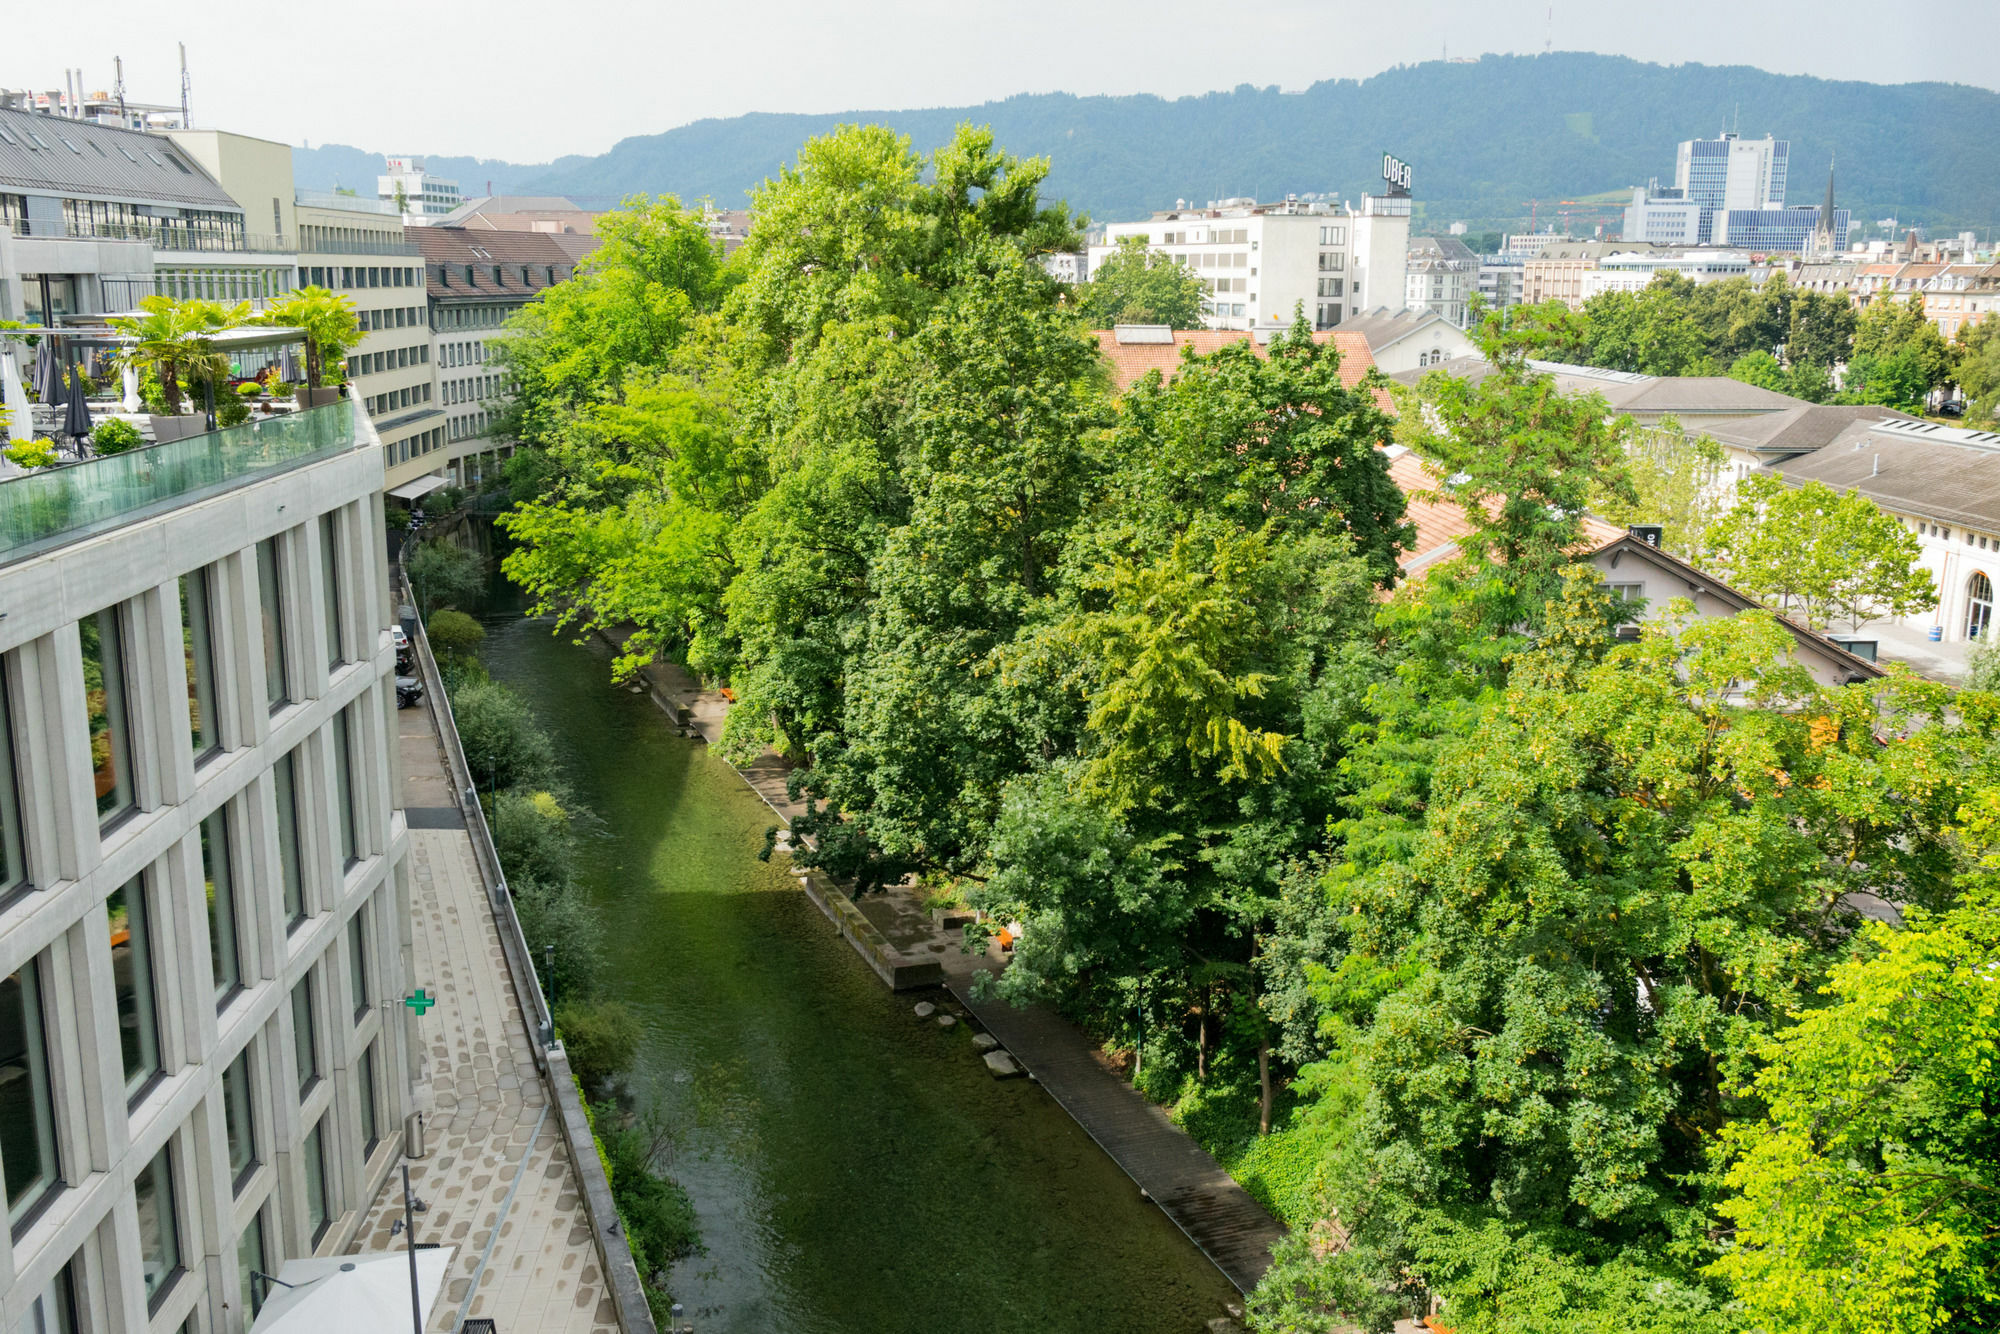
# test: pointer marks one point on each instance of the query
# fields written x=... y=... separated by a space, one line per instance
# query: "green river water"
x=855 y=1169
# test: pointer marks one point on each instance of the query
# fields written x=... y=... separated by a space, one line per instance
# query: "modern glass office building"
x=203 y=898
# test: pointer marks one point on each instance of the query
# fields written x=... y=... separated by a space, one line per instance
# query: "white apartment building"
x=1634 y=271
x=204 y=921
x=1441 y=277
x=422 y=197
x=1259 y=263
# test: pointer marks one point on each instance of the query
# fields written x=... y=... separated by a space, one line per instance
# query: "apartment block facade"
x=204 y=925
x=1260 y=263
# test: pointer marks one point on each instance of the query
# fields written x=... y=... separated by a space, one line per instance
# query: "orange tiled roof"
x=1441 y=526
x=1130 y=361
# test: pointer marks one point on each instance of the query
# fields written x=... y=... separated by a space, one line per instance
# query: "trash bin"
x=413 y=1135
x=1937 y=634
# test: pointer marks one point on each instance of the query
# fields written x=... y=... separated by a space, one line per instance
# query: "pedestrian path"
x=497 y=1177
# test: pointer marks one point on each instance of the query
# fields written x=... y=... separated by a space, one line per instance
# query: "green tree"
x=330 y=327
x=1867 y=1197
x=1135 y=285
x=445 y=573
x=1678 y=482
x=1976 y=367
x=1822 y=554
x=453 y=633
x=1898 y=331
x=1761 y=369
x=1821 y=332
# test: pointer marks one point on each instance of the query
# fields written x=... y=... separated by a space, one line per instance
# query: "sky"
x=527 y=80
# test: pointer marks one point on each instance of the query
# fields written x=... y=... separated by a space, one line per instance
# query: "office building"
x=473 y=281
x=1260 y=263
x=100 y=216
x=522 y=213
x=204 y=899
x=1500 y=282
x=419 y=196
x=1441 y=276
x=1730 y=191
x=357 y=248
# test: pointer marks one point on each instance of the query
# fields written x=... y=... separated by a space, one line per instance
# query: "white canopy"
x=421 y=487
x=344 y=1294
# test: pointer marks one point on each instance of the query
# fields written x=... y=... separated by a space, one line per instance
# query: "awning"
x=343 y=1294
x=421 y=487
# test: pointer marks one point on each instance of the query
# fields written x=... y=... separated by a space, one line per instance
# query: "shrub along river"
x=854 y=1168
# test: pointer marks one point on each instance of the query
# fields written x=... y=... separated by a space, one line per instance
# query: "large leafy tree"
x=1135 y=285
x=1820 y=554
x=327 y=320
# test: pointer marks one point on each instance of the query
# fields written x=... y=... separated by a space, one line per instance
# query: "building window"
x=239 y=1121
x=13 y=857
x=370 y=1134
x=357 y=964
x=159 y=1233
x=303 y=1045
x=269 y=595
x=329 y=563
x=291 y=864
x=130 y=925
x=27 y=1104
x=224 y=936
x=104 y=677
x=343 y=790
x=250 y=1263
x=198 y=639
x=1979 y=605
x=54 y=1309
x=315 y=1165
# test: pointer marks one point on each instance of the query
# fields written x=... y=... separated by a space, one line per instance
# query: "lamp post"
x=549 y=973
x=407 y=1225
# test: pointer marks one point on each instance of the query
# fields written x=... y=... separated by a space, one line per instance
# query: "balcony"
x=56 y=506
x=161 y=236
x=359 y=246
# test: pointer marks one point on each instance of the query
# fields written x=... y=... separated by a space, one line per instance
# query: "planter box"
x=318 y=398
x=178 y=428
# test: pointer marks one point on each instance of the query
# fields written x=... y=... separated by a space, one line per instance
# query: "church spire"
x=1828 y=243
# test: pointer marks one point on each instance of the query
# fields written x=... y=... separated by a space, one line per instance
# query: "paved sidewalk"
x=497 y=1178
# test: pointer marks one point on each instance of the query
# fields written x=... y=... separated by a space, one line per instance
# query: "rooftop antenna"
x=187 y=122
x=118 y=85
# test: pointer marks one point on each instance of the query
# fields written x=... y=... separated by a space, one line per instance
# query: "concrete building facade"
x=205 y=923
x=1441 y=276
x=1261 y=263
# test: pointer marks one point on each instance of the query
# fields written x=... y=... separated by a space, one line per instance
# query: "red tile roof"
x=1130 y=361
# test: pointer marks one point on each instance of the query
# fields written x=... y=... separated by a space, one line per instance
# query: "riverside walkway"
x=497 y=1177
x=1190 y=1187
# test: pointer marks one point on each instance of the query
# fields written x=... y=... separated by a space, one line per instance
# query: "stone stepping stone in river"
x=1002 y=1065
x=946 y=1021
x=925 y=1009
x=984 y=1042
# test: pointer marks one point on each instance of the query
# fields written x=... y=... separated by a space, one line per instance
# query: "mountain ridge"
x=1491 y=140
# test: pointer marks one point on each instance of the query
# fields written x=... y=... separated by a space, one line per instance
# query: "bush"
x=531 y=834
x=453 y=633
x=503 y=744
x=32 y=454
x=445 y=574
x=1982 y=664
x=601 y=1037
x=115 y=436
x=560 y=917
x=231 y=411
x=658 y=1215
x=250 y=389
x=445 y=500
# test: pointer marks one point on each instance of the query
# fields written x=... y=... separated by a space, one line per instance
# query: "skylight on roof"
x=8 y=135
x=158 y=161
x=128 y=155
x=100 y=148
x=70 y=146
x=39 y=140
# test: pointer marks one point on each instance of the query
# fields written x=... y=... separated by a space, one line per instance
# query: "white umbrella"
x=347 y=1294
x=20 y=421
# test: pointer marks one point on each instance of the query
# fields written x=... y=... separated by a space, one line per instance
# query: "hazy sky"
x=527 y=80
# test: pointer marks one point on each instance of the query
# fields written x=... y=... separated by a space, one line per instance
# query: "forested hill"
x=1485 y=138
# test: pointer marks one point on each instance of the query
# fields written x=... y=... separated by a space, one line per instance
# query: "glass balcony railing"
x=56 y=506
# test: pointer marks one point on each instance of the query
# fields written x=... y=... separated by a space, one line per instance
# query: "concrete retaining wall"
x=896 y=969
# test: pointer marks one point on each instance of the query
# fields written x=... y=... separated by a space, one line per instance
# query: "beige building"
x=205 y=1068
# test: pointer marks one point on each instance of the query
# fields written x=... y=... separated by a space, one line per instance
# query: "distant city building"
x=1259 y=263
x=522 y=213
x=1662 y=217
x=100 y=108
x=1068 y=266
x=1500 y=282
x=1730 y=191
x=1441 y=276
x=1557 y=272
x=474 y=280
x=1409 y=340
x=1520 y=246
x=422 y=197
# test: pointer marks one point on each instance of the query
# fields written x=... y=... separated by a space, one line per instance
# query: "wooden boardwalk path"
x=1190 y=1187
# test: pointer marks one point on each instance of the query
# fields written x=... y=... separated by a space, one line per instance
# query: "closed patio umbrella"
x=48 y=375
x=76 y=412
x=20 y=421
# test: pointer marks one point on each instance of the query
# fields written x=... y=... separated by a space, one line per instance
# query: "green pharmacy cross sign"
x=420 y=1002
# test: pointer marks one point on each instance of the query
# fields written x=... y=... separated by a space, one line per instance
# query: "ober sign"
x=1395 y=171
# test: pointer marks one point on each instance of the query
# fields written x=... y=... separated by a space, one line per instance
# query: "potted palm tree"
x=175 y=339
x=326 y=319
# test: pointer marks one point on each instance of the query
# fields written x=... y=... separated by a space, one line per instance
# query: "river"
x=855 y=1169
